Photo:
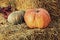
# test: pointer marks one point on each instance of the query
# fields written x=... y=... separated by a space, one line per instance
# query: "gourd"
x=16 y=17
x=37 y=18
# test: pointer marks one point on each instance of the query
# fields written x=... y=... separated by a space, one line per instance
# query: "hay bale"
x=26 y=4
x=22 y=32
x=2 y=19
x=4 y=3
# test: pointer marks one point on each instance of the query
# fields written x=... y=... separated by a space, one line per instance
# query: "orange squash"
x=37 y=18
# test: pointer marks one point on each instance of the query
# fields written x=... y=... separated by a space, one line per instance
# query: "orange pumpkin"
x=37 y=18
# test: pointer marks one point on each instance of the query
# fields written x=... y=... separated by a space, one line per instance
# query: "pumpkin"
x=37 y=18
x=16 y=17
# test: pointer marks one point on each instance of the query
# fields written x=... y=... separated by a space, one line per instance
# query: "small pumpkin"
x=16 y=17
x=37 y=18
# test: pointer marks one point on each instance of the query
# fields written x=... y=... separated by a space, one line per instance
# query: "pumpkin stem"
x=37 y=11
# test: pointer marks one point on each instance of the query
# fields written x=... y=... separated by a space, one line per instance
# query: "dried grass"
x=22 y=32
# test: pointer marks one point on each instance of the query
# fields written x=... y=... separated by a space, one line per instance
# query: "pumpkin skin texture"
x=16 y=17
x=37 y=18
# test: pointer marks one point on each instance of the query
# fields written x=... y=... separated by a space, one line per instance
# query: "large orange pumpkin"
x=37 y=18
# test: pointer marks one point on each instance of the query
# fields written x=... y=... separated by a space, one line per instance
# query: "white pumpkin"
x=16 y=17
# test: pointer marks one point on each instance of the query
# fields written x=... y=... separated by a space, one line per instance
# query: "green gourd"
x=16 y=17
